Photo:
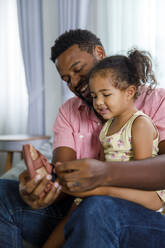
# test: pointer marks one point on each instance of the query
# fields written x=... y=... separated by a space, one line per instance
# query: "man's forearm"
x=87 y=174
x=146 y=174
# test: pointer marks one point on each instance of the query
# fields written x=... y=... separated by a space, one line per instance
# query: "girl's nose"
x=99 y=101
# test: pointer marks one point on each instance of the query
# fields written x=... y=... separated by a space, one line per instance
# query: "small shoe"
x=36 y=162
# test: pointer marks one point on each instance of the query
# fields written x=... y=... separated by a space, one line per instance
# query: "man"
x=99 y=221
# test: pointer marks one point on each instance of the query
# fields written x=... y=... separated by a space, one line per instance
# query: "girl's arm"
x=148 y=199
x=143 y=134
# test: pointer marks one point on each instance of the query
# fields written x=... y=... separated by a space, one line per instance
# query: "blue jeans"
x=18 y=221
x=106 y=222
x=98 y=221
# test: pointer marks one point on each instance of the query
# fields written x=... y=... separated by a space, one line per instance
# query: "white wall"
x=52 y=79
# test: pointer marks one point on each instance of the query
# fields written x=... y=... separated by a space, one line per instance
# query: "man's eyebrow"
x=77 y=62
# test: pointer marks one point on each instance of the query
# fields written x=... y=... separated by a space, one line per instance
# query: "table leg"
x=9 y=161
x=22 y=157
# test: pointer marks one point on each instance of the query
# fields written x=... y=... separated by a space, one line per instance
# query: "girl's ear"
x=99 y=52
x=131 y=90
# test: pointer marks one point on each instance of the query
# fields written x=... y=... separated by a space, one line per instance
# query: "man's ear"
x=99 y=52
x=131 y=90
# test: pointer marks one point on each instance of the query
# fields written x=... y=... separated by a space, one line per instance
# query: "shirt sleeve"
x=63 y=129
x=159 y=119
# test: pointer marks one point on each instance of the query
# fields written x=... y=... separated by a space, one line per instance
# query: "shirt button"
x=98 y=123
x=81 y=136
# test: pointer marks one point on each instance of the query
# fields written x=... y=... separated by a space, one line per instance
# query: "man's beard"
x=86 y=97
x=85 y=81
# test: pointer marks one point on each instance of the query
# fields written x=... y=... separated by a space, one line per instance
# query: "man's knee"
x=9 y=197
x=95 y=209
x=8 y=186
x=99 y=205
x=92 y=220
x=105 y=209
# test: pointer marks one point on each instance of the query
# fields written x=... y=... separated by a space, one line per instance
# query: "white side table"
x=14 y=143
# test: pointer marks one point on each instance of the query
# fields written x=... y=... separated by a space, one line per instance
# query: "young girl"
x=115 y=83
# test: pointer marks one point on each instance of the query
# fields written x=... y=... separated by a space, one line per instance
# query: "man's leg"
x=18 y=221
x=101 y=221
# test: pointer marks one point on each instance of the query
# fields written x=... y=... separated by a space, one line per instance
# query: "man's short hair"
x=85 y=39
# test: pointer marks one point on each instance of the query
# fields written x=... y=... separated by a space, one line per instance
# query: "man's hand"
x=81 y=175
x=33 y=190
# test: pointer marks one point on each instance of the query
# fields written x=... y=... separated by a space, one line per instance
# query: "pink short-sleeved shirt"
x=77 y=127
x=153 y=105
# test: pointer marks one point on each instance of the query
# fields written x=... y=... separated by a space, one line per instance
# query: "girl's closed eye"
x=106 y=95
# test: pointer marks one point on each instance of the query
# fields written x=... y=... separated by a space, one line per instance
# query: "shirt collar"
x=82 y=106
